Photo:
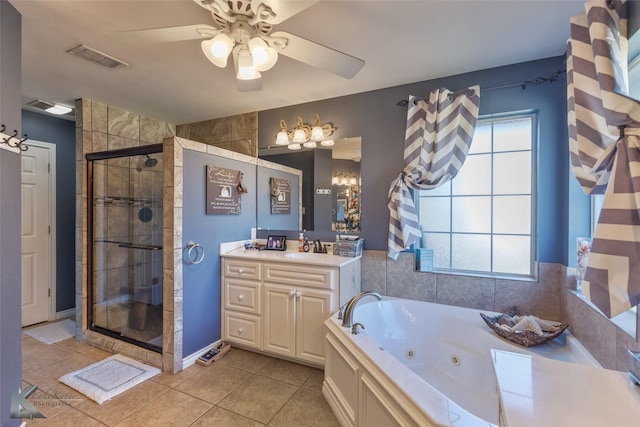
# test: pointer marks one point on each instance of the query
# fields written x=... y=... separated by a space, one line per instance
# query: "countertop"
x=236 y=250
x=537 y=391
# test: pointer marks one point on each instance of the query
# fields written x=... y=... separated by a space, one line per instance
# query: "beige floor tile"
x=244 y=359
x=286 y=371
x=173 y=409
x=214 y=383
x=125 y=404
x=70 y=418
x=315 y=380
x=46 y=377
x=40 y=354
x=306 y=408
x=259 y=398
x=97 y=354
x=218 y=417
x=173 y=380
x=74 y=345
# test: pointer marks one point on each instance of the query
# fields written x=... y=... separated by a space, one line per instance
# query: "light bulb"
x=294 y=146
x=317 y=133
x=299 y=136
x=246 y=71
x=264 y=57
x=282 y=138
x=310 y=144
x=217 y=49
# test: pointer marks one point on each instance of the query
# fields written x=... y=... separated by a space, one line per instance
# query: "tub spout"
x=354 y=328
x=347 y=319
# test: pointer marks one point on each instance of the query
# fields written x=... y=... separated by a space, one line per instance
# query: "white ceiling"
x=401 y=42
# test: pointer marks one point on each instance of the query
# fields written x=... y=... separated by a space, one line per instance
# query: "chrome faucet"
x=347 y=319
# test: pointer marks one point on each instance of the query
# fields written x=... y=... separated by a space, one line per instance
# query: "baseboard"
x=65 y=313
x=191 y=359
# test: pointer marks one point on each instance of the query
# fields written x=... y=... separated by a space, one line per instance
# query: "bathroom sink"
x=304 y=255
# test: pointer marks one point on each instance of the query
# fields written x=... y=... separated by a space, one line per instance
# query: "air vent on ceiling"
x=51 y=107
x=97 y=57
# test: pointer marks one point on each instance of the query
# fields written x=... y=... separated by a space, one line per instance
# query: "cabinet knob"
x=240 y=330
x=240 y=270
x=298 y=294
x=240 y=297
x=292 y=292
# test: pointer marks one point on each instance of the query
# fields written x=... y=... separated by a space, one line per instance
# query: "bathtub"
x=421 y=364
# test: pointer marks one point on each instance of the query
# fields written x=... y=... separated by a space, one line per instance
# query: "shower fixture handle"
x=195 y=258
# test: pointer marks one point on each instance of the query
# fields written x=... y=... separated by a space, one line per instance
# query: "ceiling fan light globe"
x=246 y=70
x=217 y=49
x=264 y=57
x=282 y=138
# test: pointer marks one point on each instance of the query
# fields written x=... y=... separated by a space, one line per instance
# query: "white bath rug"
x=53 y=332
x=108 y=378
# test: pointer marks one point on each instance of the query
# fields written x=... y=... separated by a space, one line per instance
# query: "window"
x=482 y=220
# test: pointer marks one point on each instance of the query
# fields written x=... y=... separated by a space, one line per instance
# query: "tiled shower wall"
x=236 y=133
x=548 y=297
x=101 y=128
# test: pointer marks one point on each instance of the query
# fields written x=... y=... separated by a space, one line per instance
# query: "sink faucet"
x=347 y=318
x=317 y=247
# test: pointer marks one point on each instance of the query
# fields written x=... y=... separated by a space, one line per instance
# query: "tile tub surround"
x=400 y=279
x=548 y=297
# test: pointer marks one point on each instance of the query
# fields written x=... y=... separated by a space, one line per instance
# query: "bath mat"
x=53 y=332
x=108 y=378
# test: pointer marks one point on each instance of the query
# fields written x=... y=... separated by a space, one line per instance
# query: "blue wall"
x=60 y=132
x=201 y=282
x=381 y=123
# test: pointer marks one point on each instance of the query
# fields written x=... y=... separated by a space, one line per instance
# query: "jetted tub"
x=421 y=364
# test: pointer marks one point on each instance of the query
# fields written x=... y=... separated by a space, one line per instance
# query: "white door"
x=36 y=235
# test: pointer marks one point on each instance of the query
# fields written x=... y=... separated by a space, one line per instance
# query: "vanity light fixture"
x=307 y=135
x=344 y=179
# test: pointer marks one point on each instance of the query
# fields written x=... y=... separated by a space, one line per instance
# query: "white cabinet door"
x=278 y=324
x=313 y=307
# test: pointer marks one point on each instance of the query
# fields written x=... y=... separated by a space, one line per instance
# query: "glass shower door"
x=126 y=235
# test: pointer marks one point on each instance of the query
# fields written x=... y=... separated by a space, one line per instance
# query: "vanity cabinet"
x=242 y=302
x=279 y=307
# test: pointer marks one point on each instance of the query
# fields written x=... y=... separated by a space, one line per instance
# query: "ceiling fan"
x=243 y=30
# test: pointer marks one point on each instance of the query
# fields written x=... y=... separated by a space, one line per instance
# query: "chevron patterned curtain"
x=604 y=143
x=437 y=139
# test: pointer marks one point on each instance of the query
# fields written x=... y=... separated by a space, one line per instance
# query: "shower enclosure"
x=125 y=249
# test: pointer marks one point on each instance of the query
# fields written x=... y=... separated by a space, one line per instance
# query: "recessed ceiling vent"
x=51 y=107
x=97 y=57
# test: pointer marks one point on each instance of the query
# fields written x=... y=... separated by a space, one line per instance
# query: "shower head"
x=150 y=162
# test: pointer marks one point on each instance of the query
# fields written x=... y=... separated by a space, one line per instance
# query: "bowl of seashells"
x=523 y=329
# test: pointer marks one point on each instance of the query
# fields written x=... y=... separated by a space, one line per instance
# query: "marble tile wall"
x=100 y=127
x=235 y=133
x=547 y=297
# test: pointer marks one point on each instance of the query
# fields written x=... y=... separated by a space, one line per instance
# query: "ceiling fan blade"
x=285 y=9
x=249 y=85
x=165 y=34
x=319 y=56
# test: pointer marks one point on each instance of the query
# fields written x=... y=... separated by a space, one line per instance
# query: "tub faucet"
x=347 y=319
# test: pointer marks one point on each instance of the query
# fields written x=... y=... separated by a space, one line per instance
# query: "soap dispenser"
x=301 y=242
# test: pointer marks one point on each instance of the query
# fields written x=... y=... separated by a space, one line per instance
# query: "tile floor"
x=243 y=389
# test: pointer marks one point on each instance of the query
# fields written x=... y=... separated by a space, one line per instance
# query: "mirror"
x=331 y=182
